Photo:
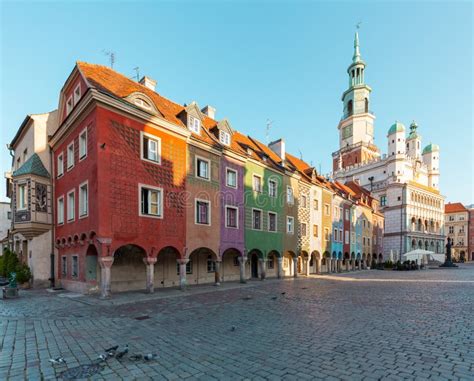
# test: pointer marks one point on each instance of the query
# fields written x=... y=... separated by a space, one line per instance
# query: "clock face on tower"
x=41 y=197
x=347 y=132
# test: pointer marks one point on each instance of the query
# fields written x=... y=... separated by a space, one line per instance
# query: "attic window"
x=143 y=104
x=224 y=137
x=69 y=105
x=194 y=125
x=77 y=93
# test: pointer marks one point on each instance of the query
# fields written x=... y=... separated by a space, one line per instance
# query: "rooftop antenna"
x=319 y=168
x=137 y=73
x=111 y=57
x=267 y=130
x=301 y=154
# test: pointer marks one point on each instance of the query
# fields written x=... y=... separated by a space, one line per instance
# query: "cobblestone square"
x=366 y=325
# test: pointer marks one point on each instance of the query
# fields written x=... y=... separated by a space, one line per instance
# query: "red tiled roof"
x=454 y=207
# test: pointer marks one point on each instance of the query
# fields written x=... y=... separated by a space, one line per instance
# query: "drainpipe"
x=10 y=150
x=51 y=256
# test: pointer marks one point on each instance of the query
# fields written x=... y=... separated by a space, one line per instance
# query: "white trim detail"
x=159 y=202
x=152 y=138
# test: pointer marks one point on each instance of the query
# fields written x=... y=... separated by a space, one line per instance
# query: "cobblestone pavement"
x=365 y=325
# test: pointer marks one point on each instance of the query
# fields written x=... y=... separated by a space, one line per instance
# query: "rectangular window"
x=231 y=217
x=341 y=235
x=60 y=164
x=257 y=183
x=352 y=237
x=326 y=209
x=83 y=144
x=64 y=266
x=69 y=105
x=77 y=93
x=346 y=237
x=83 y=199
x=347 y=214
x=194 y=125
x=203 y=212
x=22 y=197
x=368 y=241
x=451 y=229
x=71 y=206
x=271 y=262
x=289 y=195
x=303 y=201
x=383 y=200
x=315 y=204
x=202 y=168
x=272 y=188
x=303 y=229
x=335 y=235
x=290 y=225
x=272 y=222
x=60 y=211
x=75 y=266
x=224 y=137
x=151 y=148
x=70 y=155
x=315 y=230
x=231 y=178
x=326 y=234
x=256 y=219
x=363 y=240
x=151 y=201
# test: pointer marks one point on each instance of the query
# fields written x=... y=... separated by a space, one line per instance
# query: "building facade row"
x=130 y=190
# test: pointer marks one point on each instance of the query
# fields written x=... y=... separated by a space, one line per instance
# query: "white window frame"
x=346 y=237
x=81 y=185
x=73 y=161
x=60 y=168
x=227 y=170
x=142 y=103
x=276 y=188
x=327 y=236
x=25 y=196
x=209 y=212
x=196 y=160
x=276 y=222
x=292 y=220
x=227 y=207
x=327 y=209
x=224 y=137
x=83 y=146
x=158 y=149
x=305 y=203
x=77 y=96
x=60 y=221
x=68 y=208
x=69 y=105
x=254 y=175
x=195 y=125
x=305 y=229
x=261 y=219
x=290 y=197
x=152 y=188
x=72 y=266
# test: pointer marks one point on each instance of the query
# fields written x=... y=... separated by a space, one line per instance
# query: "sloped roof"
x=454 y=207
x=33 y=166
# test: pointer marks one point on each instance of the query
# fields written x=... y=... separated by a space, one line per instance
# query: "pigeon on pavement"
x=136 y=357
x=233 y=328
x=112 y=349
x=150 y=356
x=122 y=352
x=274 y=297
x=57 y=361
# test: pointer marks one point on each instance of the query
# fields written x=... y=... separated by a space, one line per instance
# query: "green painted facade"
x=263 y=240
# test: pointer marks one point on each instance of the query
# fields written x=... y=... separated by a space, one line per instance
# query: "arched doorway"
x=128 y=271
x=92 y=270
x=327 y=261
x=230 y=268
x=288 y=265
x=462 y=256
x=203 y=262
x=316 y=262
x=272 y=263
x=254 y=257
x=167 y=267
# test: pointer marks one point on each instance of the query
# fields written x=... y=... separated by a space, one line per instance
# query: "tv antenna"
x=267 y=130
x=137 y=73
x=301 y=154
x=111 y=56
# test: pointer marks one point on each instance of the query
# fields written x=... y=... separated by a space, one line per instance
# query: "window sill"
x=151 y=216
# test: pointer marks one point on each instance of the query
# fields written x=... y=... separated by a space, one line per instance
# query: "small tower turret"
x=431 y=159
x=414 y=142
x=396 y=139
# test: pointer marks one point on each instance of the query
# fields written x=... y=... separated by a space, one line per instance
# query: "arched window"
x=366 y=105
x=350 y=107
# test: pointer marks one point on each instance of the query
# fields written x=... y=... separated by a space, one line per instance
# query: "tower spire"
x=356 y=56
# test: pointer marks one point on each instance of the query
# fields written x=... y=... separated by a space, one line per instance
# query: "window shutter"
x=145 y=148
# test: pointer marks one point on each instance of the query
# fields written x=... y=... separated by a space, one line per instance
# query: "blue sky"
x=253 y=61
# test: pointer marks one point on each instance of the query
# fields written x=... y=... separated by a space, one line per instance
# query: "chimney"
x=148 y=82
x=209 y=111
x=278 y=146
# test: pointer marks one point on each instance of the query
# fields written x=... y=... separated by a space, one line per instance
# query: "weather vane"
x=358 y=24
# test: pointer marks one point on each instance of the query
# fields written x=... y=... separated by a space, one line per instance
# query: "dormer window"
x=77 y=93
x=224 y=137
x=142 y=103
x=69 y=105
x=194 y=125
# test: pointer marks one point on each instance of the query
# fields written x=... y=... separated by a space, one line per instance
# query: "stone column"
x=307 y=266
x=353 y=265
x=150 y=274
x=217 y=273
x=263 y=268
x=319 y=266
x=182 y=273
x=360 y=268
x=339 y=265
x=328 y=264
x=105 y=264
x=280 y=268
x=347 y=264
x=295 y=267
x=242 y=262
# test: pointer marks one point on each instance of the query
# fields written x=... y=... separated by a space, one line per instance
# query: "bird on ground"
x=283 y=293
x=122 y=353
x=150 y=356
x=274 y=298
x=112 y=349
x=233 y=328
x=136 y=357
x=57 y=361
x=247 y=297
x=103 y=356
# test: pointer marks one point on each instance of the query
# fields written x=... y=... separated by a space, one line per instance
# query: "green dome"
x=413 y=134
x=431 y=148
x=396 y=127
